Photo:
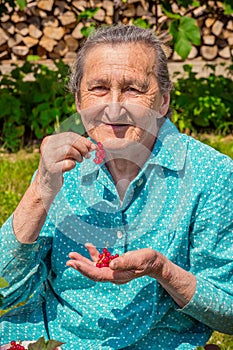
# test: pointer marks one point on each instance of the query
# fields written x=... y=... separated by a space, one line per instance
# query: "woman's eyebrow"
x=143 y=84
x=98 y=81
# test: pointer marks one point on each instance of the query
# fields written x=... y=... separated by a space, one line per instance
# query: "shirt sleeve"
x=211 y=256
x=24 y=266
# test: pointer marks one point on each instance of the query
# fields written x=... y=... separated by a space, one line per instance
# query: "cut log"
x=230 y=25
x=108 y=7
x=225 y=53
x=77 y=31
x=41 y=51
x=79 y=4
x=5 y=18
x=61 y=48
x=34 y=31
x=54 y=33
x=209 y=52
x=18 y=17
x=193 y=53
x=13 y=41
x=209 y=22
x=3 y=37
x=9 y=27
x=46 y=5
x=209 y=39
x=35 y=20
x=50 y=22
x=217 y=28
x=230 y=40
x=130 y=11
x=100 y=15
x=71 y=42
x=47 y=43
x=4 y=55
x=71 y=55
x=30 y=42
x=21 y=28
x=20 y=50
x=68 y=18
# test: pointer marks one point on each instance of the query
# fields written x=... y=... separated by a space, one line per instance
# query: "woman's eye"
x=132 y=90
x=98 y=88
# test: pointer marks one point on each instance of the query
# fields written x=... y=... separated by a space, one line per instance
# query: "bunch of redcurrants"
x=16 y=346
x=105 y=258
x=99 y=154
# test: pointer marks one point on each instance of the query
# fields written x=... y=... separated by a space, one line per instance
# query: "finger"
x=78 y=257
x=94 y=254
x=91 y=271
x=84 y=145
x=127 y=261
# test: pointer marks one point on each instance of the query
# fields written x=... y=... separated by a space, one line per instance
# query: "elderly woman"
x=160 y=200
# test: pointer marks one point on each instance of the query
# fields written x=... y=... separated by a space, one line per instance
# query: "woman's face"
x=120 y=101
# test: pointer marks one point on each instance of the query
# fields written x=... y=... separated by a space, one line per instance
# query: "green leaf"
x=89 y=13
x=32 y=58
x=228 y=9
x=140 y=22
x=3 y=283
x=174 y=28
x=188 y=25
x=195 y=4
x=182 y=45
x=22 y=4
x=42 y=344
x=86 y=31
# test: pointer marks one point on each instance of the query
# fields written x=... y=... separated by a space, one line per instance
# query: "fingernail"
x=88 y=155
x=93 y=146
x=114 y=264
x=89 y=244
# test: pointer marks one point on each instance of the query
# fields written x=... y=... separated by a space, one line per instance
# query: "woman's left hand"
x=123 y=269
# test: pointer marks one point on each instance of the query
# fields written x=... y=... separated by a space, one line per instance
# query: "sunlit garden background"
x=39 y=40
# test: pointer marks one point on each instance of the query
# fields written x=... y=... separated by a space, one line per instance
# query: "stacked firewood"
x=55 y=28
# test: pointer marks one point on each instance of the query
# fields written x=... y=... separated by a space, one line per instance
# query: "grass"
x=17 y=169
x=15 y=174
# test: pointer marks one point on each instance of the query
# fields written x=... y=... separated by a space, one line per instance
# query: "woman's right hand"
x=59 y=153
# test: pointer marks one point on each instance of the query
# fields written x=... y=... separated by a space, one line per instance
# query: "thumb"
x=123 y=262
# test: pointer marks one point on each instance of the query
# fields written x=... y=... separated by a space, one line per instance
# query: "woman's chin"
x=117 y=144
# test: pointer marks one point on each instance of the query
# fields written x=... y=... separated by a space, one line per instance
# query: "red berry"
x=105 y=258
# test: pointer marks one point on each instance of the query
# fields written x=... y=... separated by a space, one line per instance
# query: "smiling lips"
x=116 y=126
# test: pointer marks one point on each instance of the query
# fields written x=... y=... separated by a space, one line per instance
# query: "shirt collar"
x=170 y=148
x=169 y=151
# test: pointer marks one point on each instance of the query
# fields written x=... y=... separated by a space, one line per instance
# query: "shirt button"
x=117 y=221
x=140 y=181
x=119 y=234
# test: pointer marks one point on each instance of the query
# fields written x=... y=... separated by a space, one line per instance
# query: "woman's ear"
x=165 y=104
x=77 y=102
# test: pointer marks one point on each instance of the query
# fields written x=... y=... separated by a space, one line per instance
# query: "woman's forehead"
x=138 y=56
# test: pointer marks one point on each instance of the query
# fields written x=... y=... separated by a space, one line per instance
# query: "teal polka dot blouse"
x=179 y=204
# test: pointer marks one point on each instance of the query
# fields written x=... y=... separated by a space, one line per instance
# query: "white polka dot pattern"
x=180 y=204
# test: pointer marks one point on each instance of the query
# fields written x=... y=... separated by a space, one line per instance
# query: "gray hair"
x=122 y=34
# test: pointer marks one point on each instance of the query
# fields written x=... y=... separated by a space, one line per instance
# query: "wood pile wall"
x=53 y=28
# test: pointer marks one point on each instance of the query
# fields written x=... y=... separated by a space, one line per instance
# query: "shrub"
x=203 y=104
x=31 y=109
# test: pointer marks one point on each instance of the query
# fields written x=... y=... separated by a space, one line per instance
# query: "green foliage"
x=31 y=109
x=140 y=22
x=42 y=344
x=12 y=3
x=86 y=16
x=15 y=175
x=88 y=13
x=203 y=104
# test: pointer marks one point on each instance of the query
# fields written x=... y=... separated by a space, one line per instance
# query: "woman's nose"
x=114 y=112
